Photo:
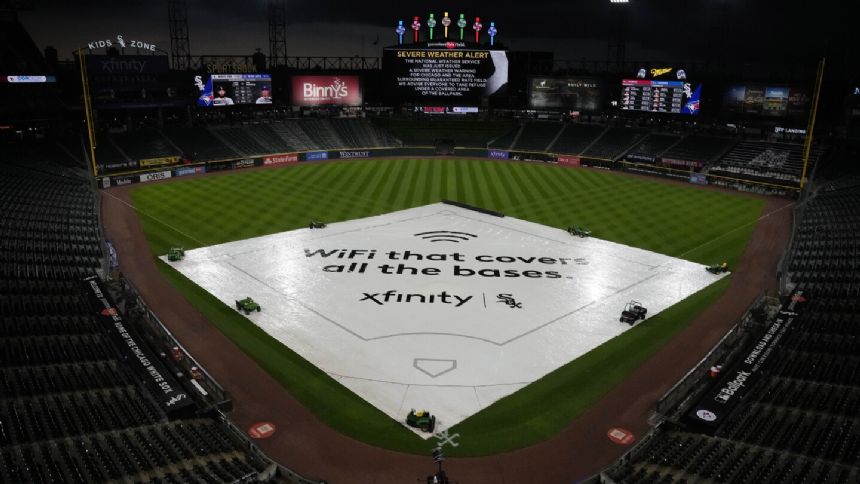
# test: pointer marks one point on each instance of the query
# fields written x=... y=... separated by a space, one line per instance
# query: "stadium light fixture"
x=619 y=1
x=431 y=22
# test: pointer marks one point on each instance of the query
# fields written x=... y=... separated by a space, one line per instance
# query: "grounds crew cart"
x=175 y=254
x=421 y=419
x=316 y=225
x=718 y=268
x=579 y=231
x=247 y=305
x=633 y=311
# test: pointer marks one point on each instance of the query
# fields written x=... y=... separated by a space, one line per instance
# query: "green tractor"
x=421 y=420
x=175 y=254
x=316 y=225
x=579 y=231
x=718 y=268
x=247 y=305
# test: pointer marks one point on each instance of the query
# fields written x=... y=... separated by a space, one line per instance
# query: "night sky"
x=574 y=29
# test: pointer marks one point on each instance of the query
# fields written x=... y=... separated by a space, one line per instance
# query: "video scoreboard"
x=656 y=96
x=444 y=72
x=230 y=89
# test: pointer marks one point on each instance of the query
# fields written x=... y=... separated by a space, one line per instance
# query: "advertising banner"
x=165 y=160
x=148 y=177
x=498 y=154
x=168 y=392
x=118 y=181
x=286 y=159
x=528 y=156
x=326 y=90
x=190 y=170
x=637 y=157
x=579 y=93
x=682 y=163
x=354 y=154
x=125 y=71
x=118 y=166
x=316 y=155
x=718 y=401
x=246 y=163
x=569 y=160
x=698 y=179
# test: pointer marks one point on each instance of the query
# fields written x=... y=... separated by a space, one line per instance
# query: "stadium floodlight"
x=619 y=1
x=431 y=22
x=400 y=30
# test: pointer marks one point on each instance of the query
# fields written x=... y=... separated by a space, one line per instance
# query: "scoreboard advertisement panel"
x=777 y=101
x=654 y=96
x=230 y=89
x=578 y=93
x=445 y=71
x=326 y=90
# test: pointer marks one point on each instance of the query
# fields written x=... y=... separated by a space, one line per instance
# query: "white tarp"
x=439 y=307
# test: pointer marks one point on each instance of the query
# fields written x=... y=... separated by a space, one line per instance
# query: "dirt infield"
x=311 y=448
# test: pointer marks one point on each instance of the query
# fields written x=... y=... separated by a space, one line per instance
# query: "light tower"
x=277 y=33
x=617 y=45
x=180 y=47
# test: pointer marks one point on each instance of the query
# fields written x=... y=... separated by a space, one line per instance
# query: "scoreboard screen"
x=230 y=89
x=579 y=93
x=444 y=72
x=653 y=96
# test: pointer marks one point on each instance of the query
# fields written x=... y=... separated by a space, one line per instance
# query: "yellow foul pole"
x=811 y=125
x=88 y=110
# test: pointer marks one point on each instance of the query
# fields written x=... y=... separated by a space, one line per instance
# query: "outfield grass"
x=699 y=225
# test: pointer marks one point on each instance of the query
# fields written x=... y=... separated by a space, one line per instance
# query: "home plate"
x=439 y=307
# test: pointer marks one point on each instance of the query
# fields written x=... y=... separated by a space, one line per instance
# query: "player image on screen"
x=221 y=98
x=231 y=89
x=265 y=96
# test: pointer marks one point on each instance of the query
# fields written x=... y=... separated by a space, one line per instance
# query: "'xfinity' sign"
x=498 y=154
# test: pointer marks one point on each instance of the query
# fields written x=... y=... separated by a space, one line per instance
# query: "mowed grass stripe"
x=672 y=219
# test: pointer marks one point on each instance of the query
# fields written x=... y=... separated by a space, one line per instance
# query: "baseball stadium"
x=611 y=242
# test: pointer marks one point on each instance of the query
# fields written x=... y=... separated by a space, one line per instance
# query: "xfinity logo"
x=392 y=296
x=116 y=64
x=336 y=90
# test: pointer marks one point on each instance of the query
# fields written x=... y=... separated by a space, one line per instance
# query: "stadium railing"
x=216 y=396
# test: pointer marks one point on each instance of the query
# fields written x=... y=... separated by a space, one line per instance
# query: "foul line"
x=200 y=243
x=679 y=256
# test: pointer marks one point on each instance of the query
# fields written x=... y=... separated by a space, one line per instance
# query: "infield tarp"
x=439 y=307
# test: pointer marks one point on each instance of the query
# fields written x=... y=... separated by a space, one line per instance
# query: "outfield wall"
x=283 y=159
